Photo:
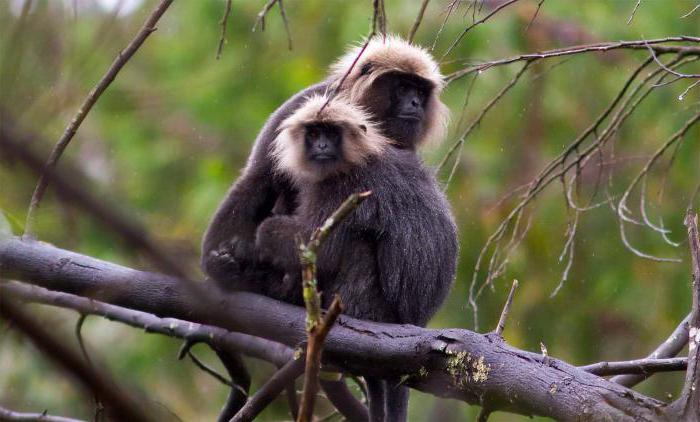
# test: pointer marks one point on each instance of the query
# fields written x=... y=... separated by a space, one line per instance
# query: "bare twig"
x=450 y=7
x=477 y=23
x=123 y=406
x=270 y=390
x=691 y=11
x=419 y=19
x=534 y=15
x=186 y=350
x=260 y=21
x=317 y=335
x=99 y=407
x=585 y=48
x=376 y=21
x=506 y=309
x=285 y=21
x=238 y=394
x=122 y=58
x=634 y=11
x=223 y=23
x=11 y=416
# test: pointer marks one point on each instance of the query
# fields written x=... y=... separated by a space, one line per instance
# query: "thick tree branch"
x=448 y=363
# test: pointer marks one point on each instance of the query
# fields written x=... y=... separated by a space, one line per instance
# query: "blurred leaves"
x=174 y=130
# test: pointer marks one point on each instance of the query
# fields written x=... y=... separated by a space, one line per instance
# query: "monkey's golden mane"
x=394 y=54
x=361 y=137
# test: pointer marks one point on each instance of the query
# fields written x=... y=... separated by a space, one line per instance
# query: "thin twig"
x=99 y=407
x=376 y=17
x=260 y=21
x=691 y=12
x=479 y=22
x=419 y=19
x=285 y=21
x=638 y=367
x=223 y=23
x=634 y=11
x=450 y=8
x=534 y=15
x=122 y=58
x=506 y=309
x=186 y=349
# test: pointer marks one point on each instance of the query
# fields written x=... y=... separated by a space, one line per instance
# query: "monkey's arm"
x=228 y=241
x=276 y=243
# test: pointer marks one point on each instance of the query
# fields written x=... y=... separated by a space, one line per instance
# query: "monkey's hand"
x=276 y=242
x=231 y=257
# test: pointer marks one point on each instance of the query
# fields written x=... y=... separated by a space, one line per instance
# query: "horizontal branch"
x=11 y=416
x=668 y=349
x=275 y=353
x=639 y=366
x=586 y=48
x=451 y=363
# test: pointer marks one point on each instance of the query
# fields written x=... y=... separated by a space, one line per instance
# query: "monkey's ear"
x=363 y=128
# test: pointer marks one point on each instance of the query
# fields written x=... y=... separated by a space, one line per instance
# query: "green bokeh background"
x=173 y=131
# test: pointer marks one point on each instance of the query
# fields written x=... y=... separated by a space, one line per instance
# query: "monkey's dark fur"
x=393 y=259
x=259 y=193
x=227 y=248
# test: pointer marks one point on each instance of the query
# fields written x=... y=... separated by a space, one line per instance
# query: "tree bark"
x=452 y=363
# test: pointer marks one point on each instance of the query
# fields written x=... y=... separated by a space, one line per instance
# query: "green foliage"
x=174 y=130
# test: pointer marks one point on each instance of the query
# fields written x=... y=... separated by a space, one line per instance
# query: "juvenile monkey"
x=393 y=259
x=397 y=83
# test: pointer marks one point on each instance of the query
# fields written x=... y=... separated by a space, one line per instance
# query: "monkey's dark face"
x=323 y=144
x=400 y=103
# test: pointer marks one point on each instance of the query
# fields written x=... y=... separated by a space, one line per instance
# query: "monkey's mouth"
x=410 y=116
x=323 y=158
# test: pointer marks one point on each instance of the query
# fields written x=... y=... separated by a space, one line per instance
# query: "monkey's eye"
x=312 y=132
x=366 y=69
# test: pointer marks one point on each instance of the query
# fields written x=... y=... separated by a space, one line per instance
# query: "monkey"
x=390 y=75
x=393 y=259
x=398 y=83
